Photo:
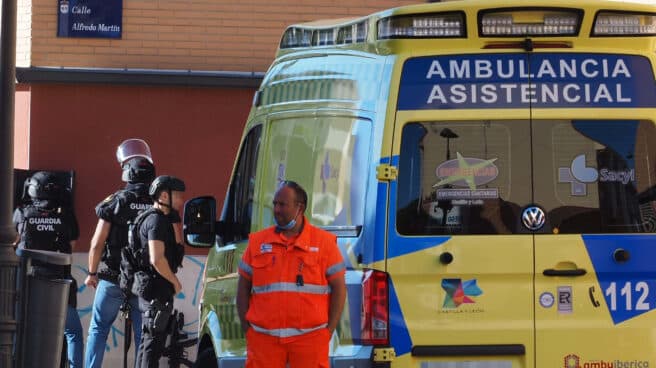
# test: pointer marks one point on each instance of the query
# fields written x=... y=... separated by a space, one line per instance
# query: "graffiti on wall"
x=186 y=301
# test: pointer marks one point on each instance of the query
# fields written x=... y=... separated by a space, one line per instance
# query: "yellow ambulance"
x=489 y=168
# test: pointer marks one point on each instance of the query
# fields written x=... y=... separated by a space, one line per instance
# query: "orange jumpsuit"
x=290 y=296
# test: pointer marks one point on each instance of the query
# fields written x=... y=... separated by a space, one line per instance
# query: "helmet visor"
x=131 y=148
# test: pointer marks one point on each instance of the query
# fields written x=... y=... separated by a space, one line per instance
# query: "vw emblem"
x=533 y=218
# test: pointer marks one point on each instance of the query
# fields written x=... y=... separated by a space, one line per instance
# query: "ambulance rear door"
x=594 y=159
x=460 y=263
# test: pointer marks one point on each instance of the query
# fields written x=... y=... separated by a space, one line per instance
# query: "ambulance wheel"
x=206 y=359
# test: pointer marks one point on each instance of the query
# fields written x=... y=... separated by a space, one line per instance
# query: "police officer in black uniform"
x=161 y=259
x=111 y=235
x=45 y=223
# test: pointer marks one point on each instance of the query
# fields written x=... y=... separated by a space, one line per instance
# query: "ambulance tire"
x=206 y=359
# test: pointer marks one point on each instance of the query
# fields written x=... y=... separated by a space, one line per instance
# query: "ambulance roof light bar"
x=307 y=36
x=426 y=25
x=352 y=33
x=529 y=22
x=323 y=37
x=624 y=24
x=296 y=37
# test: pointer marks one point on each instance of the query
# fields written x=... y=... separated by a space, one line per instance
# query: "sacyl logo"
x=579 y=175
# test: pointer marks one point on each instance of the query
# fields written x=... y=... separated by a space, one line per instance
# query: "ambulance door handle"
x=446 y=258
x=571 y=273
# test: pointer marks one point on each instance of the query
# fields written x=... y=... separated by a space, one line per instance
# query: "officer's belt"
x=109 y=275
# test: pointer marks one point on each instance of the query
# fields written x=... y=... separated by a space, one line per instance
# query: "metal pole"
x=8 y=259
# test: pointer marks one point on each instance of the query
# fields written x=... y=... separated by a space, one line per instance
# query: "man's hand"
x=16 y=241
x=91 y=281
x=177 y=286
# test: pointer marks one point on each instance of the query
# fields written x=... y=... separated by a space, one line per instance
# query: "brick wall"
x=23 y=32
x=222 y=35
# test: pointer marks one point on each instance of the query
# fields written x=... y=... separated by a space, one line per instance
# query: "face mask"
x=289 y=226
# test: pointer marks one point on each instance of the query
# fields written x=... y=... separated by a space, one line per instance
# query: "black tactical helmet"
x=138 y=170
x=44 y=185
x=165 y=182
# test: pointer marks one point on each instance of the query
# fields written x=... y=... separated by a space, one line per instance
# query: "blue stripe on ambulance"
x=629 y=287
x=376 y=253
x=399 y=334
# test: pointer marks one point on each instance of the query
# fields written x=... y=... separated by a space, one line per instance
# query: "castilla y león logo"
x=459 y=292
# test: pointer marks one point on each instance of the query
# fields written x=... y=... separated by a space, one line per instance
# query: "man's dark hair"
x=301 y=195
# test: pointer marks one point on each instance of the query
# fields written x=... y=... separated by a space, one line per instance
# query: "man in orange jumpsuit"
x=291 y=288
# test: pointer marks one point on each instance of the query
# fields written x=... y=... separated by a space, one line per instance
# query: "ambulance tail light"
x=624 y=24
x=433 y=25
x=375 y=308
x=525 y=22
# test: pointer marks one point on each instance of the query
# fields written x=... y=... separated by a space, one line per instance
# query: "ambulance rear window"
x=463 y=177
x=587 y=176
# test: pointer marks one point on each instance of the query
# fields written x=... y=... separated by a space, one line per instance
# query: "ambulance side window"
x=329 y=156
x=239 y=205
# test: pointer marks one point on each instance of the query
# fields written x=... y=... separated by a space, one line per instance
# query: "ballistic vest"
x=46 y=229
x=119 y=209
x=136 y=257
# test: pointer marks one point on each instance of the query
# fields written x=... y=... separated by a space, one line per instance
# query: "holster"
x=159 y=316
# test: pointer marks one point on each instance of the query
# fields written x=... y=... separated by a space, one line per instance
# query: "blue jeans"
x=106 y=304
x=74 y=338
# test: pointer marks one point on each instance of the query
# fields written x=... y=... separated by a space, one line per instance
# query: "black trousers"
x=153 y=337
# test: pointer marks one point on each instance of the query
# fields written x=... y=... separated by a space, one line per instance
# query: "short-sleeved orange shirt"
x=290 y=277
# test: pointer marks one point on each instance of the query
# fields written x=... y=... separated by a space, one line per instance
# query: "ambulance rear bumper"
x=361 y=359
